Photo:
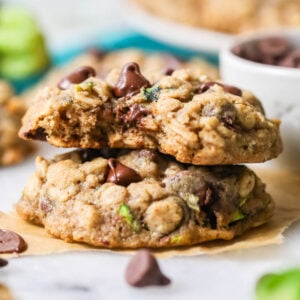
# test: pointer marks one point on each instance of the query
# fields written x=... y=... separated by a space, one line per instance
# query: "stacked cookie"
x=156 y=164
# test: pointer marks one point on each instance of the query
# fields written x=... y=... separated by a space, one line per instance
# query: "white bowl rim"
x=260 y=67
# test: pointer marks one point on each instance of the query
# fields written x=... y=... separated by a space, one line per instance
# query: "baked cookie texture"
x=153 y=66
x=234 y=16
x=140 y=198
x=185 y=114
x=12 y=148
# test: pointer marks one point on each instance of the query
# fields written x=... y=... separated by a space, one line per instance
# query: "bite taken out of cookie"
x=184 y=114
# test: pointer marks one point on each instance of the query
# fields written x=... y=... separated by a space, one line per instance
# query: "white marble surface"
x=101 y=275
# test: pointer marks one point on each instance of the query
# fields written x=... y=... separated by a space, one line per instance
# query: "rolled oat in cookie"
x=141 y=198
x=185 y=115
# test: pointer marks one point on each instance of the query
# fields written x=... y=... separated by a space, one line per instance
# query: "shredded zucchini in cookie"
x=151 y=93
x=124 y=211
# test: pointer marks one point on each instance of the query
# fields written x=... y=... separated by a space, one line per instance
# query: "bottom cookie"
x=139 y=198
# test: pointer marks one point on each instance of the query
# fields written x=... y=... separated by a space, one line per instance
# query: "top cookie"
x=184 y=114
x=153 y=65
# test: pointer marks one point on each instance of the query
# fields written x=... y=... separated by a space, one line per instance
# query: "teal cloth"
x=114 y=41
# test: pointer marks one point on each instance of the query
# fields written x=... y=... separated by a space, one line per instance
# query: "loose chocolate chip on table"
x=3 y=262
x=227 y=88
x=121 y=174
x=130 y=81
x=77 y=76
x=11 y=242
x=143 y=270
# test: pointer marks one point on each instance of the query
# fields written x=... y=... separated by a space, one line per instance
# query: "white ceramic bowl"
x=278 y=88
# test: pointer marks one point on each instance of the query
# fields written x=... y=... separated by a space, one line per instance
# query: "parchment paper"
x=283 y=186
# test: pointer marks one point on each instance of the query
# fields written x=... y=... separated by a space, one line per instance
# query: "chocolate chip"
x=39 y=134
x=227 y=88
x=171 y=63
x=3 y=262
x=97 y=53
x=130 y=81
x=11 y=242
x=121 y=174
x=143 y=270
x=135 y=114
x=292 y=60
x=228 y=115
x=273 y=46
x=272 y=51
x=46 y=205
x=77 y=76
x=168 y=72
x=248 y=51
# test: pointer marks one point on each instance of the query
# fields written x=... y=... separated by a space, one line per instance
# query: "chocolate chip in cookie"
x=135 y=114
x=227 y=88
x=77 y=76
x=130 y=81
x=143 y=270
x=121 y=174
x=39 y=134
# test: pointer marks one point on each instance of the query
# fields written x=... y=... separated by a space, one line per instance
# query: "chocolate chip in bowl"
x=267 y=64
x=273 y=50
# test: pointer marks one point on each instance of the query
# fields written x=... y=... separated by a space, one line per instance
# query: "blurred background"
x=184 y=28
x=68 y=23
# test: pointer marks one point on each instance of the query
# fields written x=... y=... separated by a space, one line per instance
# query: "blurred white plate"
x=174 y=33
